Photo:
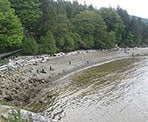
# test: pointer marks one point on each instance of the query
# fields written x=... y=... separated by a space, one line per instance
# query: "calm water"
x=114 y=92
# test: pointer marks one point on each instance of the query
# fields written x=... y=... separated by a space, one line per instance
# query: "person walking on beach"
x=87 y=62
x=50 y=68
x=132 y=53
x=69 y=62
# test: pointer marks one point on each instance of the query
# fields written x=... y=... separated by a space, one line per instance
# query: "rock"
x=43 y=71
x=49 y=96
x=43 y=81
x=8 y=98
x=14 y=91
x=1 y=92
x=3 y=86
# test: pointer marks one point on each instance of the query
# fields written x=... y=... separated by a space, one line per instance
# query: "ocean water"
x=113 y=92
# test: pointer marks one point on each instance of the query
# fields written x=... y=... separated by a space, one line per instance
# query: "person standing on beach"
x=50 y=68
x=87 y=62
x=69 y=62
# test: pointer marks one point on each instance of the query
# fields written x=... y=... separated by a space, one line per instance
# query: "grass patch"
x=97 y=73
x=6 y=103
x=14 y=116
x=3 y=62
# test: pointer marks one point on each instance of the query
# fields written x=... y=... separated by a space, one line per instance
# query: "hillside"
x=144 y=20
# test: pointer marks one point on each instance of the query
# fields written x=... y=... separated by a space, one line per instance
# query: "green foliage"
x=5 y=6
x=47 y=44
x=68 y=43
x=47 y=22
x=66 y=26
x=61 y=29
x=28 y=11
x=15 y=116
x=135 y=29
x=110 y=41
x=2 y=62
x=4 y=102
x=62 y=25
x=113 y=22
x=11 y=31
x=90 y=26
x=30 y=46
x=72 y=9
x=77 y=41
x=127 y=37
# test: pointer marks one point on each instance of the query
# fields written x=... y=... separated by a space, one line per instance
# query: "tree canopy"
x=54 y=26
x=92 y=29
x=29 y=13
x=11 y=30
x=114 y=22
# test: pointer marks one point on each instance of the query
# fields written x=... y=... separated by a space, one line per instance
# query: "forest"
x=48 y=26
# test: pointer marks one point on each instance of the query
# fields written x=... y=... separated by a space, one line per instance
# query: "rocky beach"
x=24 y=78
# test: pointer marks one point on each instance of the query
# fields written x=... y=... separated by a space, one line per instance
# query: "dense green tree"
x=127 y=37
x=11 y=31
x=145 y=34
x=92 y=29
x=48 y=19
x=30 y=46
x=68 y=43
x=29 y=13
x=135 y=31
x=55 y=19
x=65 y=26
x=47 y=44
x=61 y=29
x=124 y=16
x=113 y=22
x=74 y=8
x=110 y=40
x=77 y=41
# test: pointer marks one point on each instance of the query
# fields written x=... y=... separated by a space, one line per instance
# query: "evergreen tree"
x=145 y=34
x=68 y=43
x=92 y=29
x=127 y=37
x=66 y=26
x=48 y=20
x=11 y=31
x=29 y=13
x=30 y=46
x=77 y=41
x=114 y=22
x=47 y=44
x=61 y=29
x=135 y=31
x=74 y=8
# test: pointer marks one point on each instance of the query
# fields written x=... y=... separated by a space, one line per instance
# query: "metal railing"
x=3 y=55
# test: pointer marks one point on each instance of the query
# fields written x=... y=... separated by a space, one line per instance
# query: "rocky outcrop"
x=24 y=114
x=18 y=90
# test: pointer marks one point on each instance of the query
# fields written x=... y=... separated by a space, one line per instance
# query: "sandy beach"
x=24 y=80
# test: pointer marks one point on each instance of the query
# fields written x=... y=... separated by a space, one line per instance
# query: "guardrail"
x=4 y=67
x=3 y=55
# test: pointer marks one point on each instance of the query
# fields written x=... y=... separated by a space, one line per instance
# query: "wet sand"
x=21 y=84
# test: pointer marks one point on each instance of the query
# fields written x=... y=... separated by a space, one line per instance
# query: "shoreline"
x=21 y=85
x=41 y=86
x=88 y=67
